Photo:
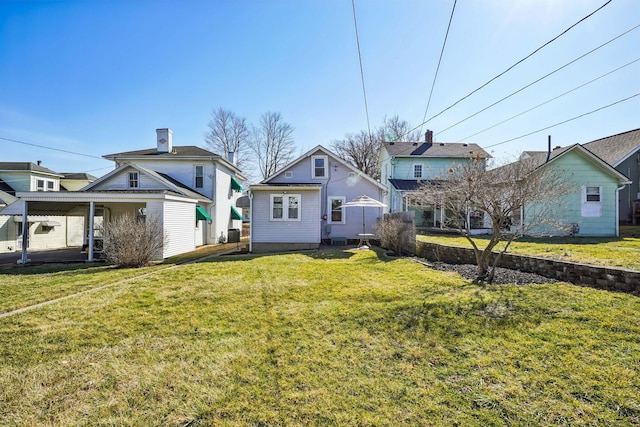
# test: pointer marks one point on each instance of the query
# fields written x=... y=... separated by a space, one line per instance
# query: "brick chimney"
x=428 y=138
x=164 y=140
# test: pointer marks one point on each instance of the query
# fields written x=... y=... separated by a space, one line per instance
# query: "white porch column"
x=25 y=233
x=92 y=212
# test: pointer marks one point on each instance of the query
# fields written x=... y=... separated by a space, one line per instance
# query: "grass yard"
x=615 y=252
x=319 y=338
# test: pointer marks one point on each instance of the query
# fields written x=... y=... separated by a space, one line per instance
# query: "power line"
x=565 y=121
x=550 y=100
x=50 y=148
x=424 y=117
x=538 y=80
x=364 y=91
x=511 y=67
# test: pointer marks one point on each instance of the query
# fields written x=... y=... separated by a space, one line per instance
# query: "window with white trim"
x=285 y=207
x=319 y=166
x=417 y=171
x=133 y=179
x=45 y=185
x=199 y=176
x=592 y=194
x=336 y=213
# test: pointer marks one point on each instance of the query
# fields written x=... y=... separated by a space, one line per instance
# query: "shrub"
x=396 y=234
x=132 y=241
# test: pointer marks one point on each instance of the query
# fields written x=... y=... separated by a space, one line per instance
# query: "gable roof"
x=539 y=160
x=164 y=179
x=437 y=149
x=26 y=167
x=328 y=153
x=178 y=152
x=6 y=198
x=617 y=148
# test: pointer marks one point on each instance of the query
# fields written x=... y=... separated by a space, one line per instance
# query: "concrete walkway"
x=66 y=255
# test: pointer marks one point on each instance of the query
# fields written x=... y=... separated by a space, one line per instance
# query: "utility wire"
x=565 y=121
x=364 y=91
x=550 y=100
x=444 y=43
x=512 y=67
x=51 y=148
x=538 y=80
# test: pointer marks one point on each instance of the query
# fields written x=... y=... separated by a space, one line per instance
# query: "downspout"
x=618 y=209
x=92 y=212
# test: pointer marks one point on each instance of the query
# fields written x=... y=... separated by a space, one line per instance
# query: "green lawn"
x=616 y=252
x=320 y=338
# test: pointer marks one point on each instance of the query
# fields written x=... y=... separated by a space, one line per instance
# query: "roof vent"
x=391 y=143
x=556 y=147
x=464 y=144
x=415 y=144
x=442 y=144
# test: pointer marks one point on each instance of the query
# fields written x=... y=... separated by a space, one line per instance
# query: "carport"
x=96 y=207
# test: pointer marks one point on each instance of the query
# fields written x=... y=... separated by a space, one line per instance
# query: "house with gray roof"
x=405 y=166
x=191 y=191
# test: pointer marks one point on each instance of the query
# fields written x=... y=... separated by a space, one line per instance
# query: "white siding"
x=179 y=225
x=307 y=230
x=7 y=234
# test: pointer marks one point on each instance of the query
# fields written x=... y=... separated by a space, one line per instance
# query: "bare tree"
x=272 y=143
x=517 y=199
x=131 y=241
x=227 y=133
x=362 y=150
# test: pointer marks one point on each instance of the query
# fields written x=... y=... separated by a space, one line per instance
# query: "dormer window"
x=45 y=185
x=133 y=180
x=319 y=166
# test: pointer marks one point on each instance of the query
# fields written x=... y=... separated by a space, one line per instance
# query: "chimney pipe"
x=428 y=137
x=548 y=149
x=39 y=162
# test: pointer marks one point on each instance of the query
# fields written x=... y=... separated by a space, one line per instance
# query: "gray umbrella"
x=364 y=202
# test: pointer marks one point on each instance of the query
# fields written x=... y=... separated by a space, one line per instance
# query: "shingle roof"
x=78 y=175
x=25 y=166
x=437 y=149
x=615 y=148
x=6 y=188
x=178 y=151
x=412 y=184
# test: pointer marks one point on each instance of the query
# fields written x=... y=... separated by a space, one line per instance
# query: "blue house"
x=404 y=166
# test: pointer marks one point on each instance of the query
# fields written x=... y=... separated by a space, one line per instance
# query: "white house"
x=301 y=205
x=190 y=190
x=49 y=231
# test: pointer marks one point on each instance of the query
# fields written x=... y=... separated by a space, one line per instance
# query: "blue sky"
x=99 y=76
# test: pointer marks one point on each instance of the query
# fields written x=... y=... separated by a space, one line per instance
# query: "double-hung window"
x=319 y=166
x=336 y=215
x=285 y=207
x=199 y=176
x=45 y=185
x=417 y=171
x=133 y=180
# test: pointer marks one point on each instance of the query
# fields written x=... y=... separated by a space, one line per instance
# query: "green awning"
x=235 y=214
x=201 y=214
x=235 y=184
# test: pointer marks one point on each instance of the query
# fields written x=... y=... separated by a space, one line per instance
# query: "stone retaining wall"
x=610 y=278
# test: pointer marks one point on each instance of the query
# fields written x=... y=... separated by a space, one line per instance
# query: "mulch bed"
x=503 y=276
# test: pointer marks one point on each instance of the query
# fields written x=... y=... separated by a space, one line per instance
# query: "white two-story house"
x=190 y=190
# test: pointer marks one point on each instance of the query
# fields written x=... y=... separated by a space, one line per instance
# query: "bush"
x=396 y=234
x=131 y=241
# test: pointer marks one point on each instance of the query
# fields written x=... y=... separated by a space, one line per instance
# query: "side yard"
x=340 y=337
x=614 y=252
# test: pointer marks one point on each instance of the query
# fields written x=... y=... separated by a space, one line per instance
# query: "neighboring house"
x=592 y=208
x=191 y=191
x=300 y=205
x=51 y=231
x=622 y=151
x=404 y=166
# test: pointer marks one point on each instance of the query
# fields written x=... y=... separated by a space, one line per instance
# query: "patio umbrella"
x=364 y=202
